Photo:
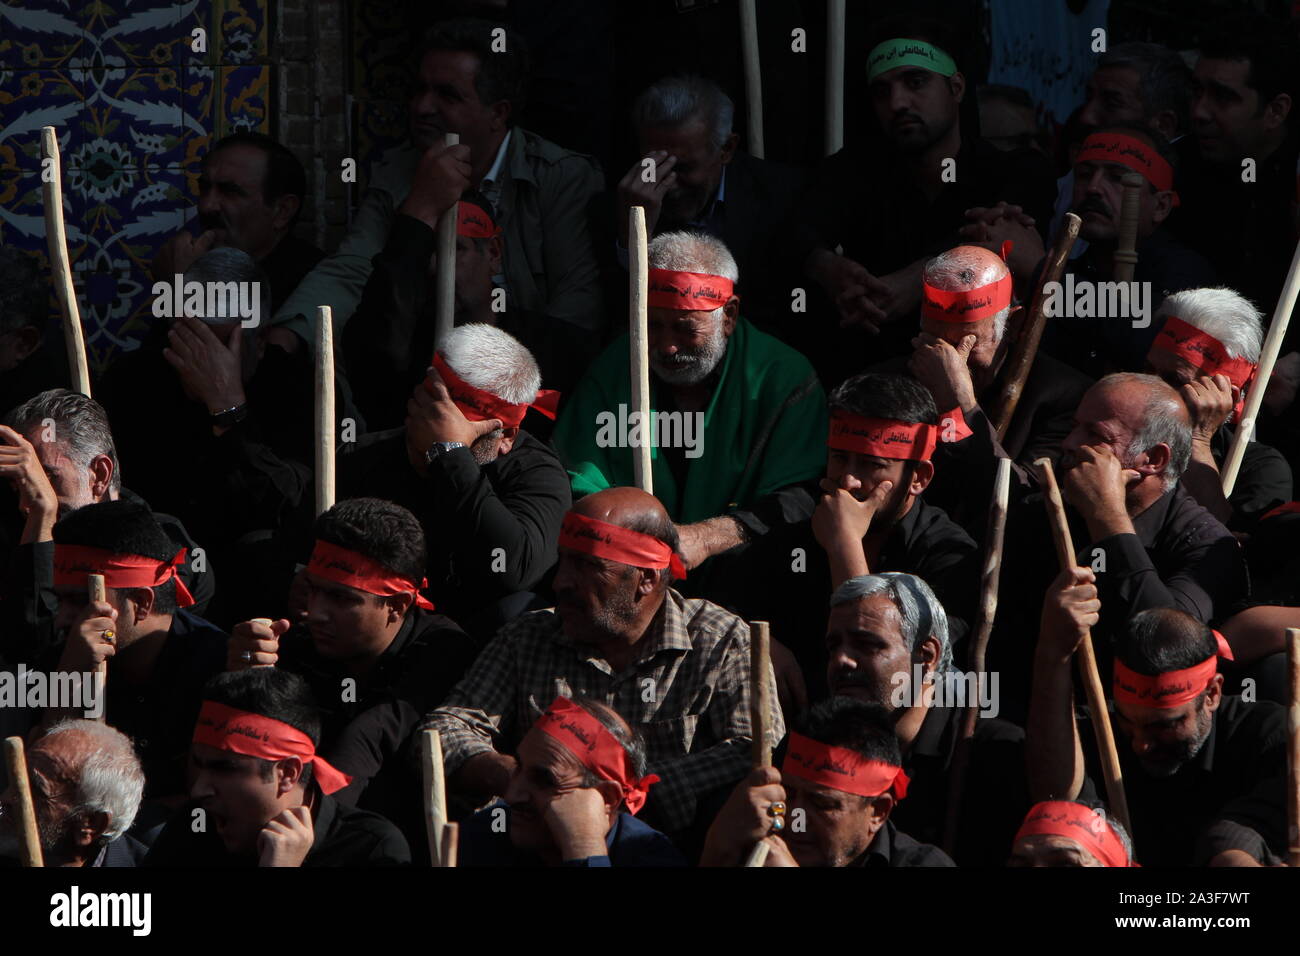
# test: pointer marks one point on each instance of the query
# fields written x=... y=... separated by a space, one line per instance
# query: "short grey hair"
x=1223 y=313
x=955 y=271
x=111 y=780
x=1164 y=422
x=227 y=264
x=493 y=360
x=674 y=101
x=80 y=426
x=687 y=251
x=918 y=607
x=1164 y=81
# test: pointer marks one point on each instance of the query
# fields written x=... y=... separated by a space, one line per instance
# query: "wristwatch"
x=229 y=416
x=441 y=448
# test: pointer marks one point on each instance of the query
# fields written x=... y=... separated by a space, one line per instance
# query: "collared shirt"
x=490 y=187
x=1237 y=777
x=630 y=841
x=892 y=847
x=687 y=693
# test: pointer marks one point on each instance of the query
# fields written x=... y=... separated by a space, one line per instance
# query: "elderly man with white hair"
x=888 y=644
x=961 y=355
x=86 y=784
x=738 y=418
x=1208 y=348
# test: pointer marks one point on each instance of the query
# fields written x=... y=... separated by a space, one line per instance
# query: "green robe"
x=765 y=427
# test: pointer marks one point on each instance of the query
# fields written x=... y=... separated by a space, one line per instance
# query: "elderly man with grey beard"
x=887 y=643
x=1146 y=539
x=737 y=419
x=86 y=784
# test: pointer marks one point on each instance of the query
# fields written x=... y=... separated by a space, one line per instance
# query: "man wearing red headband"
x=830 y=804
x=961 y=355
x=573 y=798
x=158 y=654
x=1069 y=833
x=260 y=793
x=1208 y=349
x=676 y=668
x=488 y=492
x=1203 y=772
x=738 y=416
x=871 y=516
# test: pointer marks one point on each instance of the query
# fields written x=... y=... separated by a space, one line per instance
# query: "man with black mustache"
x=251 y=191
x=1203 y=771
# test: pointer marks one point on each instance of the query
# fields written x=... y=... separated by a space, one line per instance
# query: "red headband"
x=239 y=732
x=473 y=222
x=1078 y=823
x=970 y=305
x=1202 y=350
x=605 y=540
x=72 y=562
x=595 y=748
x=480 y=406
x=1130 y=152
x=692 y=291
x=354 y=570
x=888 y=438
x=1172 y=688
x=841 y=769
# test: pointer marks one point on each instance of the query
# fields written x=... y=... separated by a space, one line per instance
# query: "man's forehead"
x=238 y=161
x=1115 y=78
x=448 y=66
x=875 y=613
x=541 y=750
x=1228 y=72
x=688 y=136
x=1052 y=843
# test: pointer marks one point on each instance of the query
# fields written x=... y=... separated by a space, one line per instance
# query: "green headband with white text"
x=892 y=54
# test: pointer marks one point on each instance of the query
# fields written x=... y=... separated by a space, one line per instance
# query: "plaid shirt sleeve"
x=685 y=779
x=482 y=706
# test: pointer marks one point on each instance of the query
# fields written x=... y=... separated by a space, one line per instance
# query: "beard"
x=52 y=834
x=692 y=368
x=485 y=448
x=1168 y=761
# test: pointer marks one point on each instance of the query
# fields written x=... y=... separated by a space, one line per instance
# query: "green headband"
x=902 y=52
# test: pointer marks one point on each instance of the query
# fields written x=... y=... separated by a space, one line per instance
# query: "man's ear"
x=142 y=600
x=500 y=111
x=929 y=653
x=1277 y=111
x=881 y=807
x=612 y=794
x=1158 y=458
x=287 y=774
x=285 y=208
x=398 y=605
x=957 y=83
x=1214 y=693
x=508 y=436
x=729 y=148
x=730 y=312
x=647 y=581
x=1162 y=206
x=101 y=476
x=922 y=476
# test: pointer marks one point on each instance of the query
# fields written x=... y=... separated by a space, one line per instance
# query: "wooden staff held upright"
x=1126 y=257
x=1086 y=657
x=98 y=592
x=324 y=409
x=1021 y=360
x=753 y=77
x=1267 y=359
x=57 y=239
x=760 y=710
x=834 y=76
x=435 y=796
x=445 y=284
x=29 y=837
x=1293 y=750
x=638 y=268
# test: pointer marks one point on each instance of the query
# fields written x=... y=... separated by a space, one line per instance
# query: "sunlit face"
x=866 y=649
x=983 y=354
x=861 y=474
x=72 y=481
x=545 y=771
x=595 y=598
x=232 y=197
x=837 y=828
x=53 y=771
x=237 y=802
x=1098 y=198
x=1105 y=418
x=685 y=347
x=346 y=624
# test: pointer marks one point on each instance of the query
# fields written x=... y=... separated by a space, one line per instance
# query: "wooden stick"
x=435 y=794
x=450 y=844
x=1086 y=657
x=639 y=335
x=1126 y=257
x=445 y=289
x=1267 y=359
x=324 y=409
x=29 y=837
x=1021 y=360
x=95 y=583
x=760 y=709
x=1293 y=752
x=988 y=611
x=834 y=76
x=753 y=77
x=61 y=266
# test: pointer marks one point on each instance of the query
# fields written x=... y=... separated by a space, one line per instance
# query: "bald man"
x=676 y=669
x=1144 y=537
x=968 y=325
x=86 y=784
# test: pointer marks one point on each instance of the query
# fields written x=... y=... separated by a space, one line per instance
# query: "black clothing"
x=892 y=847
x=491 y=530
x=1264 y=480
x=769 y=580
x=343 y=837
x=630 y=841
x=285 y=267
x=1238 y=776
x=995 y=797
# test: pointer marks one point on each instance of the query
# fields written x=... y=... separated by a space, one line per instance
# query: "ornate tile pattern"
x=135 y=108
